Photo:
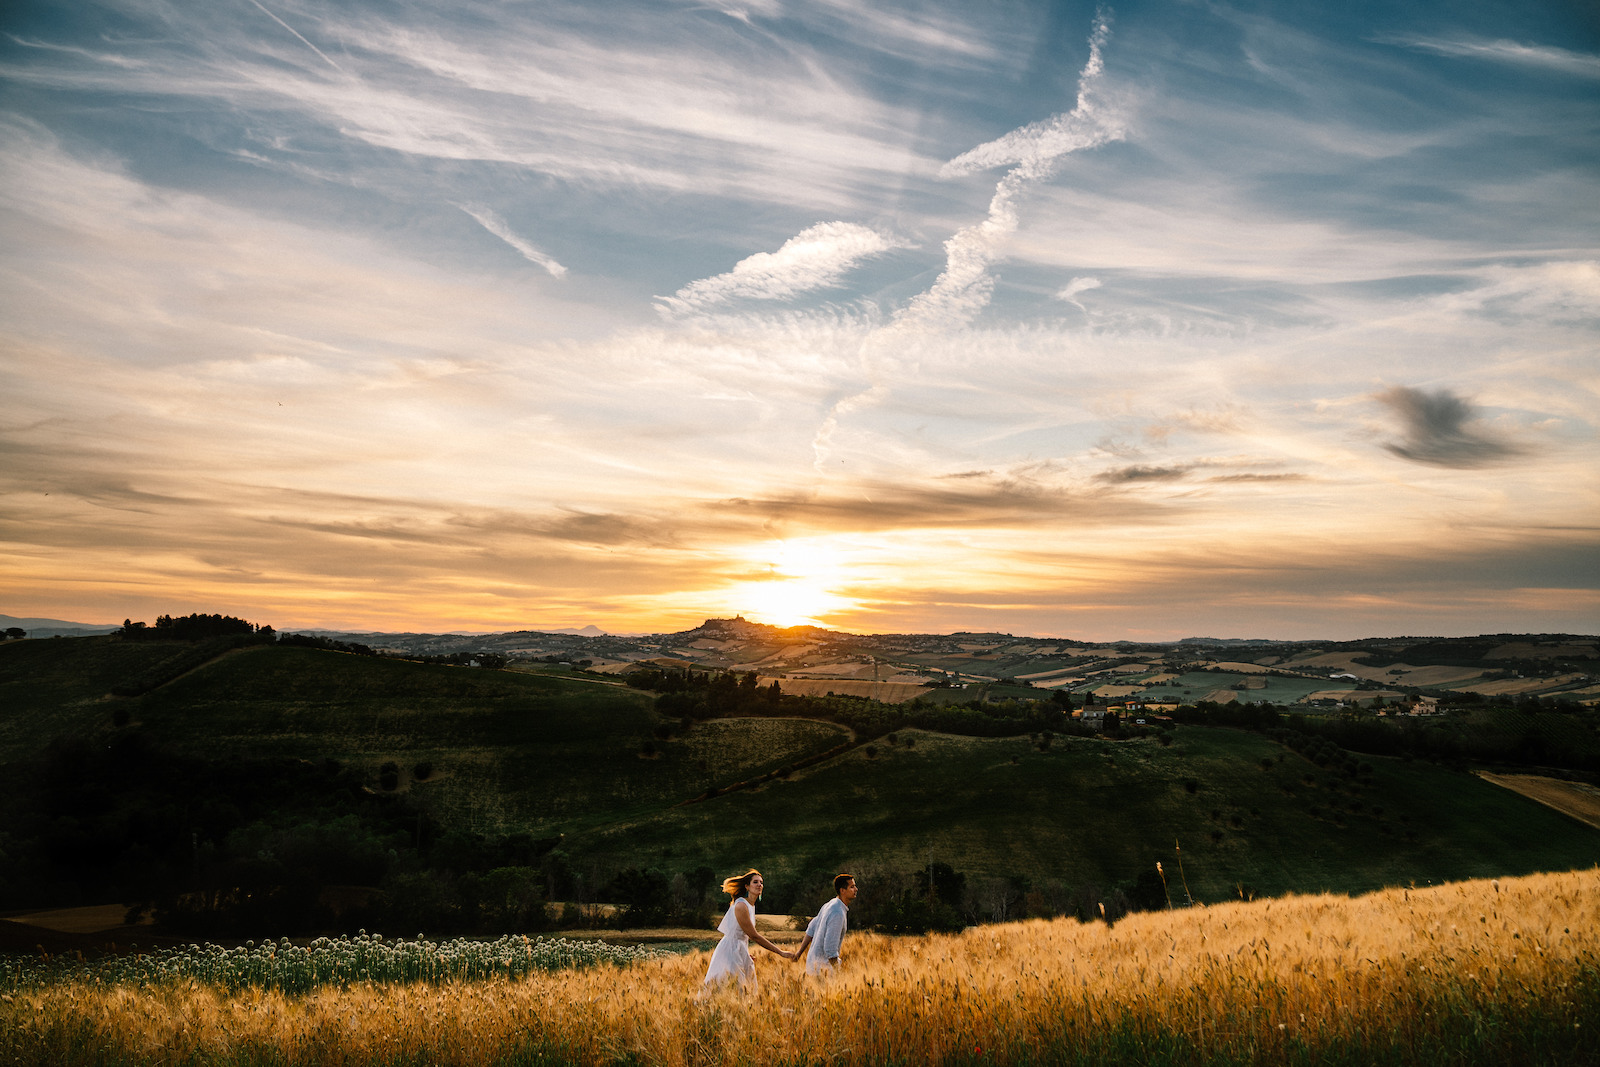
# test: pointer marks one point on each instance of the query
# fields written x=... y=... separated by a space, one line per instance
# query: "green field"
x=545 y=757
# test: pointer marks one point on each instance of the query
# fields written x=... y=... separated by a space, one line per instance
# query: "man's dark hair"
x=842 y=882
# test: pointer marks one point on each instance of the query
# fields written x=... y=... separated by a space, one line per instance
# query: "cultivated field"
x=1518 y=686
x=1481 y=972
x=888 y=692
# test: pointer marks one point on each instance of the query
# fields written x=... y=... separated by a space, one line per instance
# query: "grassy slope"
x=507 y=748
x=548 y=754
x=1097 y=812
x=61 y=686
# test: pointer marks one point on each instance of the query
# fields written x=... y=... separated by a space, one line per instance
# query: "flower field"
x=289 y=968
x=1467 y=973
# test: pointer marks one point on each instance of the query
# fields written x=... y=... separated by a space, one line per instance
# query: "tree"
x=643 y=896
x=15 y=633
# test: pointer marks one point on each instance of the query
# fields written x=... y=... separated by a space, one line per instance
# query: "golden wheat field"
x=1480 y=972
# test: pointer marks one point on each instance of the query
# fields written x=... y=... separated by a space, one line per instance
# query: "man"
x=826 y=931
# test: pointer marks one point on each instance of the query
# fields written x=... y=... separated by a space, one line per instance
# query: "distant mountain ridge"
x=57 y=627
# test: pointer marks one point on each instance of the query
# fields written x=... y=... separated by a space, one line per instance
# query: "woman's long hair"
x=739 y=885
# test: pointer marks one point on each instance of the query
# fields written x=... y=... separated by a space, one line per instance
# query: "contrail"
x=497 y=226
x=965 y=286
x=303 y=41
x=1033 y=152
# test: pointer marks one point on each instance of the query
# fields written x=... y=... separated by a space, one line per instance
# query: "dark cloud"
x=602 y=528
x=1012 y=503
x=1124 y=475
x=1439 y=431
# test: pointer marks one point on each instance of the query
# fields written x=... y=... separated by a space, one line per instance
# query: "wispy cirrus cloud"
x=1440 y=429
x=906 y=34
x=814 y=258
x=1584 y=64
x=687 y=102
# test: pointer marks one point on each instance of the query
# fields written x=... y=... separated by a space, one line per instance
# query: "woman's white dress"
x=731 y=959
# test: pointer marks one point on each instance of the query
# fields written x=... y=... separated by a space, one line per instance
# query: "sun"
x=800 y=589
x=791 y=602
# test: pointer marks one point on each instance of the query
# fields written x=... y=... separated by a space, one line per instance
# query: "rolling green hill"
x=1094 y=812
x=505 y=750
x=276 y=763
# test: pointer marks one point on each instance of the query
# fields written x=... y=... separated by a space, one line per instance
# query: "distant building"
x=1100 y=718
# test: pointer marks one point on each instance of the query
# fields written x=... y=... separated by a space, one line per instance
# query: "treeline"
x=209 y=631
x=192 y=628
x=1528 y=734
x=696 y=695
x=1524 y=730
x=1239 y=714
x=938 y=897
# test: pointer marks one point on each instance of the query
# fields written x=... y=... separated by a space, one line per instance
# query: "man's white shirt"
x=827 y=933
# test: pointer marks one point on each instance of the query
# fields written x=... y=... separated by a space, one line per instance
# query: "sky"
x=1132 y=322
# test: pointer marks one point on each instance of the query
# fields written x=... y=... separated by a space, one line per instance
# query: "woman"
x=738 y=928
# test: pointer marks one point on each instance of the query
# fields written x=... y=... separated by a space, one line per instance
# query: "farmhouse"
x=1100 y=718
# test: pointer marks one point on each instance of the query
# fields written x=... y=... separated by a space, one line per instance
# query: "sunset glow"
x=800 y=590
x=1146 y=321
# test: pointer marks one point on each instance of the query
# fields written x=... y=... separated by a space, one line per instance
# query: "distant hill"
x=1285 y=673
x=57 y=627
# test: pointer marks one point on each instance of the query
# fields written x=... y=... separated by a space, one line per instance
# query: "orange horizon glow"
x=887 y=582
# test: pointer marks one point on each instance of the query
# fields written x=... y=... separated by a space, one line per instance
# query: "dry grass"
x=1352 y=696
x=1518 y=686
x=1483 y=971
x=1402 y=673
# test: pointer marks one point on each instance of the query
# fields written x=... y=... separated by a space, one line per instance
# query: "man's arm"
x=832 y=934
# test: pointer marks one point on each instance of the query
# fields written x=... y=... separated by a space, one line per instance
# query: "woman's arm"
x=748 y=923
